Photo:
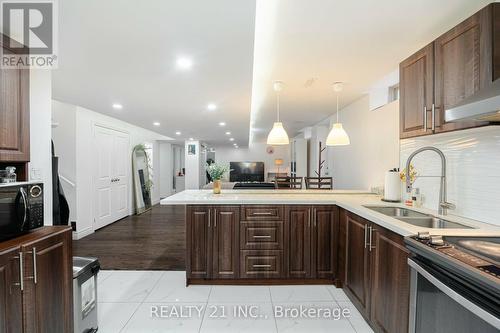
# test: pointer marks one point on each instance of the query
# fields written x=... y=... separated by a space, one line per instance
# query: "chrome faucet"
x=443 y=204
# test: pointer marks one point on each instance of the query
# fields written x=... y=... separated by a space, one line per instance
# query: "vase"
x=217 y=186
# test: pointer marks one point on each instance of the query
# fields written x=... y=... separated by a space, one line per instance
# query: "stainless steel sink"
x=416 y=218
x=432 y=222
x=397 y=211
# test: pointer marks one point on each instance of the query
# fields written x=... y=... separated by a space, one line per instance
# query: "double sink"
x=416 y=218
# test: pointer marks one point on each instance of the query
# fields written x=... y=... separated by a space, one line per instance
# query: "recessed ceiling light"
x=236 y=147
x=228 y=133
x=231 y=139
x=184 y=63
x=211 y=107
x=235 y=144
x=156 y=123
x=117 y=106
x=178 y=133
x=191 y=139
x=222 y=123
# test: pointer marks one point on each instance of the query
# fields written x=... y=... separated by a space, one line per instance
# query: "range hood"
x=482 y=106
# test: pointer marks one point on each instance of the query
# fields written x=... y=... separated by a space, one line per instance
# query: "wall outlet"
x=73 y=225
x=36 y=174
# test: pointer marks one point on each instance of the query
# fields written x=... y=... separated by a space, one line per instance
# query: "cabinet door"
x=48 y=293
x=324 y=241
x=416 y=83
x=357 y=261
x=390 y=276
x=14 y=113
x=463 y=66
x=298 y=241
x=11 y=308
x=226 y=242
x=199 y=236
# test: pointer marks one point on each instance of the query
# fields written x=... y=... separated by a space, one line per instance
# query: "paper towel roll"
x=392 y=187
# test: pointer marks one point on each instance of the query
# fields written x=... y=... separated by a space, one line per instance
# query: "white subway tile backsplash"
x=473 y=171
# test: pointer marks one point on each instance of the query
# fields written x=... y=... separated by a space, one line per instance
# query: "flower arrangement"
x=413 y=174
x=217 y=171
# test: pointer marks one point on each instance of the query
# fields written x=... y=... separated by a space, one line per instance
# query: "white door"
x=112 y=175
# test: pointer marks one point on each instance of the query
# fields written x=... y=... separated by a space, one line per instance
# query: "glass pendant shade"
x=337 y=136
x=278 y=135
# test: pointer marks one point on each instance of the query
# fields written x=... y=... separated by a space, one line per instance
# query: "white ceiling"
x=123 y=51
x=309 y=44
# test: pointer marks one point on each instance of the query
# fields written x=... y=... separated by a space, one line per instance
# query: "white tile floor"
x=127 y=300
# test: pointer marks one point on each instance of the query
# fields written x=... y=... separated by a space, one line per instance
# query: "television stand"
x=254 y=186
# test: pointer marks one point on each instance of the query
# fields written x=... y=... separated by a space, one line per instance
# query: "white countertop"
x=353 y=201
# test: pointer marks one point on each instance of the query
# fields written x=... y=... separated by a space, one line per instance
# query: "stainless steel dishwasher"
x=85 y=294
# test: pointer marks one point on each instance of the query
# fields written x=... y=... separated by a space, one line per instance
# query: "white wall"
x=85 y=121
x=166 y=171
x=255 y=153
x=192 y=164
x=473 y=164
x=40 y=165
x=374 y=147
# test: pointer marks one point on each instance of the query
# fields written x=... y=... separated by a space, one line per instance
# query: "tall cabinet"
x=14 y=115
x=457 y=65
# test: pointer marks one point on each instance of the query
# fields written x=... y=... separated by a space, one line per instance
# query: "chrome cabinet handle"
x=433 y=110
x=261 y=266
x=425 y=117
x=21 y=271
x=261 y=213
x=215 y=218
x=371 y=240
x=34 y=277
x=209 y=213
x=261 y=236
x=366 y=235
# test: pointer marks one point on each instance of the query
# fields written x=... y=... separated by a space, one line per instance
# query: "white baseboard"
x=82 y=233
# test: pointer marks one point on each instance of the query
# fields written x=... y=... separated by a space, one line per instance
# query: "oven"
x=443 y=301
x=21 y=208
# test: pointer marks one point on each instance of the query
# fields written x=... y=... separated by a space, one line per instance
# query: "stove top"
x=480 y=256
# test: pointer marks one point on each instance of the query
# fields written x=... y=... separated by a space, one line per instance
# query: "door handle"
x=215 y=218
x=261 y=266
x=261 y=236
x=371 y=240
x=24 y=196
x=34 y=277
x=425 y=117
x=433 y=110
x=209 y=211
x=366 y=235
x=261 y=213
x=21 y=271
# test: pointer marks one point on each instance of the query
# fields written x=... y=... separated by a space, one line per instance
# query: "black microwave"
x=21 y=208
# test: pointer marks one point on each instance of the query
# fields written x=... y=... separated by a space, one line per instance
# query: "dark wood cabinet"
x=298 y=241
x=324 y=241
x=357 y=261
x=11 y=320
x=464 y=64
x=43 y=303
x=390 y=281
x=14 y=111
x=212 y=242
x=417 y=93
x=457 y=65
x=226 y=244
x=377 y=278
x=199 y=237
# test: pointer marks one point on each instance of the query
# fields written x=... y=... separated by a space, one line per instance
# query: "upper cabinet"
x=14 y=111
x=454 y=67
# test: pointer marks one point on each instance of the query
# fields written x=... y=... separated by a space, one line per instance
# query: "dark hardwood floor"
x=155 y=240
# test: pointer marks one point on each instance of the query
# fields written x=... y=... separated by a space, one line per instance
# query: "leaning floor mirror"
x=142 y=173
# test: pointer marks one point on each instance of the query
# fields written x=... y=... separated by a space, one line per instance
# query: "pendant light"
x=278 y=135
x=337 y=136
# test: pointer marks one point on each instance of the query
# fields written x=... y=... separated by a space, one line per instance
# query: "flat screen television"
x=246 y=171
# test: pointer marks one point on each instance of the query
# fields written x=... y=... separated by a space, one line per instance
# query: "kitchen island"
x=308 y=237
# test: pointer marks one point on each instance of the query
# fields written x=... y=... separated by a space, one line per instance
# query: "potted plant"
x=217 y=171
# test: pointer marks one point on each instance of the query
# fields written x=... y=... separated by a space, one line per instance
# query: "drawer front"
x=261 y=235
x=259 y=213
x=261 y=264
